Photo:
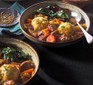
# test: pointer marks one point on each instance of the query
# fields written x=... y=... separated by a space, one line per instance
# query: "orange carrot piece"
x=57 y=21
x=29 y=71
x=46 y=32
x=29 y=20
x=51 y=38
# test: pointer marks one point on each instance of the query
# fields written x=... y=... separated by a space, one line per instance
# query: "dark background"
x=71 y=65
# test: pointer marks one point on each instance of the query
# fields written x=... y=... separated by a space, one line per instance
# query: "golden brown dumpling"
x=39 y=23
x=9 y=72
x=66 y=28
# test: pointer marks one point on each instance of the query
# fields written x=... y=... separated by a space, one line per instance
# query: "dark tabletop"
x=71 y=65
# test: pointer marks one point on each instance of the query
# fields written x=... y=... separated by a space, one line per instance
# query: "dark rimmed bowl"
x=26 y=48
x=30 y=11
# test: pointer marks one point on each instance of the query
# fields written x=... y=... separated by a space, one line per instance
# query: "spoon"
x=78 y=17
x=8 y=17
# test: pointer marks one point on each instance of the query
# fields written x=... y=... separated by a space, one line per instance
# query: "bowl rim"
x=40 y=41
x=30 y=47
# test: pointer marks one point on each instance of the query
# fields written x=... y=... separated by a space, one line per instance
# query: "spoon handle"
x=88 y=37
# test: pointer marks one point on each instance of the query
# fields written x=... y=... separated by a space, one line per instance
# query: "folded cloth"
x=16 y=6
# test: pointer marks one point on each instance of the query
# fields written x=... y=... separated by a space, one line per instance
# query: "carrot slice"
x=29 y=20
x=46 y=32
x=51 y=38
x=29 y=71
x=57 y=21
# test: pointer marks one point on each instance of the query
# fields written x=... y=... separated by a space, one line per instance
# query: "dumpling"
x=39 y=23
x=9 y=72
x=66 y=28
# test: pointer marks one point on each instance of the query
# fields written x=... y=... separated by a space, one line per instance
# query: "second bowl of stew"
x=19 y=62
x=53 y=24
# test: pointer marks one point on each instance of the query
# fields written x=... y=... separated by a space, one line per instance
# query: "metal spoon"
x=8 y=17
x=78 y=17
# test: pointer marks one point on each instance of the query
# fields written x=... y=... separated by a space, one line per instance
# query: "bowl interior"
x=27 y=49
x=30 y=11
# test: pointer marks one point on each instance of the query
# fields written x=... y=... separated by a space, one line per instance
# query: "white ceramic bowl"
x=30 y=11
x=27 y=49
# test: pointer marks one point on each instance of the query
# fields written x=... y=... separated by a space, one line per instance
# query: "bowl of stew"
x=19 y=62
x=51 y=23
